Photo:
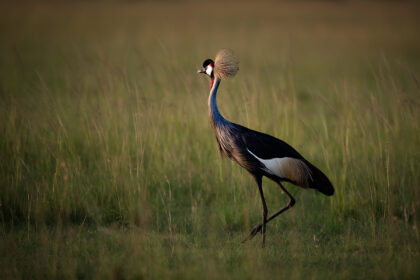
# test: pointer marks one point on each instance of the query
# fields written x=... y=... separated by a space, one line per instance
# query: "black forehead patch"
x=207 y=62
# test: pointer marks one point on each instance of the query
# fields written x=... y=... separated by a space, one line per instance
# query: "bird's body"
x=261 y=154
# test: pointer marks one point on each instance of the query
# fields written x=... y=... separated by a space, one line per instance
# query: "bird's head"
x=208 y=67
x=226 y=65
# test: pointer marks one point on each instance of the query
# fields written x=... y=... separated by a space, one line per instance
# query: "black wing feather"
x=266 y=146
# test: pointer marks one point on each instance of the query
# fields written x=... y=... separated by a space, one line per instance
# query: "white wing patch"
x=273 y=166
x=289 y=168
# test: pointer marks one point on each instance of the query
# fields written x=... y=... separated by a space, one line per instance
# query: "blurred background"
x=109 y=167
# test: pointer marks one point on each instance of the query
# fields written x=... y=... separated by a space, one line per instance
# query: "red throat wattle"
x=212 y=81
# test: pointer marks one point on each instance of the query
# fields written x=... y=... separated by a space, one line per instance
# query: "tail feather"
x=319 y=181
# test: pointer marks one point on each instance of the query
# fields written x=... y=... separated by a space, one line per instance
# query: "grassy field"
x=109 y=167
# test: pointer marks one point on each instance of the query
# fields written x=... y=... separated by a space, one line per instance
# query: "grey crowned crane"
x=260 y=154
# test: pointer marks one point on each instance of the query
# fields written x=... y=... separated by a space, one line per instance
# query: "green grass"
x=109 y=168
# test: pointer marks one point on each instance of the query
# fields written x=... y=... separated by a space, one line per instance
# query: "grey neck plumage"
x=215 y=117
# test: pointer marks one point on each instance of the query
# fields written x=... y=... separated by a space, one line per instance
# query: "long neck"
x=215 y=117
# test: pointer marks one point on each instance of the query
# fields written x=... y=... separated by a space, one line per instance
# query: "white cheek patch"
x=209 y=69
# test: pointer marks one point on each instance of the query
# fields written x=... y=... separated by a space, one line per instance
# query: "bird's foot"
x=254 y=231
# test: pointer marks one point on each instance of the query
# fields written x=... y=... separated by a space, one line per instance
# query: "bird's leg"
x=259 y=228
x=258 y=180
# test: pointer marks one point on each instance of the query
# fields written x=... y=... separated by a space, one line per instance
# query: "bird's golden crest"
x=226 y=64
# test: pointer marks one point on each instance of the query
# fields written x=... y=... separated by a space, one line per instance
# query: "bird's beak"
x=201 y=71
